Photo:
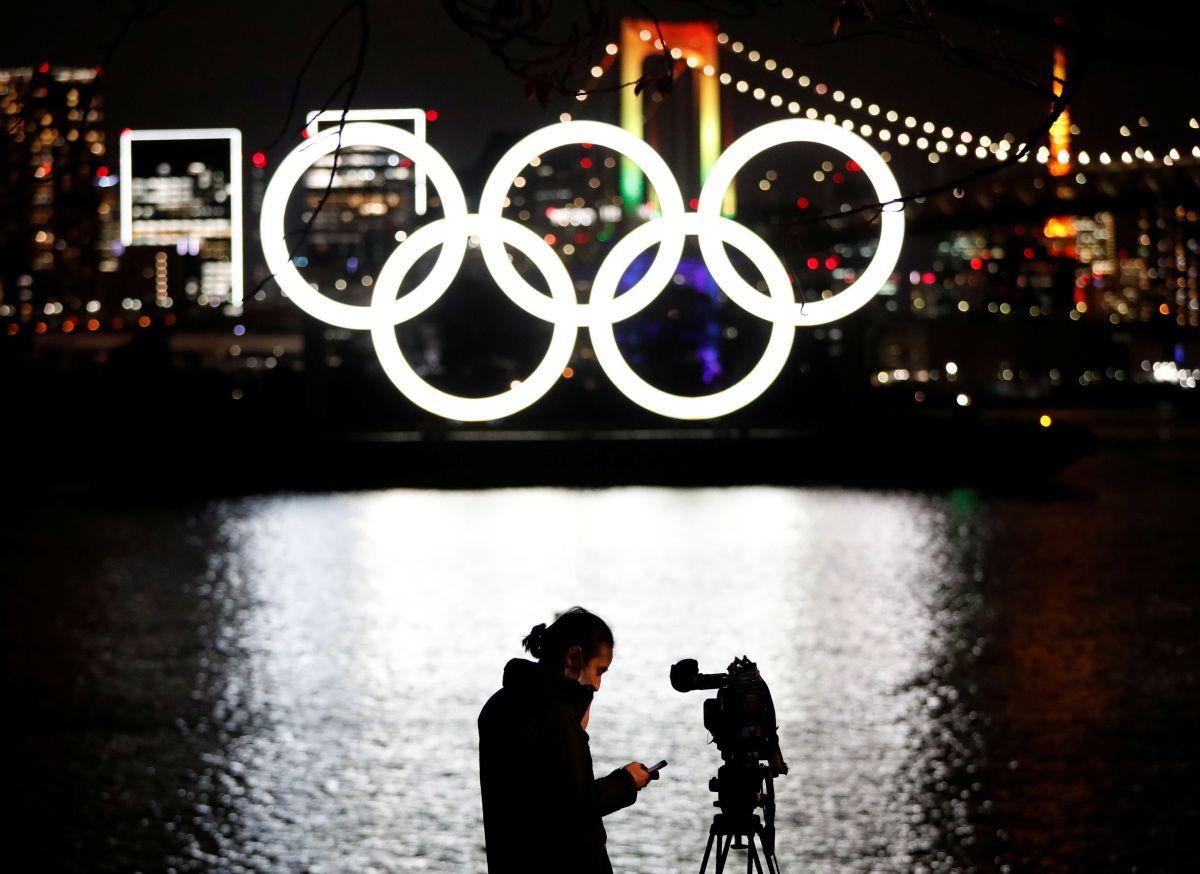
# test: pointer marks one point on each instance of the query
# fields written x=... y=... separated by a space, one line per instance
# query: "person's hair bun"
x=534 y=642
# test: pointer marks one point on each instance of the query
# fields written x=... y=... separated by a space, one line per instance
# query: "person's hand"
x=641 y=777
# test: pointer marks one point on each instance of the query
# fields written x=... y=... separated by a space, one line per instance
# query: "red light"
x=802 y=202
x=838 y=178
x=586 y=145
x=550 y=239
x=852 y=166
x=12 y=329
x=169 y=319
x=304 y=134
x=126 y=130
x=585 y=163
x=812 y=263
x=928 y=278
x=694 y=203
x=581 y=239
x=976 y=263
x=44 y=68
x=101 y=171
x=831 y=262
x=258 y=159
x=549 y=211
x=118 y=323
x=431 y=115
x=1029 y=252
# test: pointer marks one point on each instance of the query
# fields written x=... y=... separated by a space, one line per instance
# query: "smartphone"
x=654 y=769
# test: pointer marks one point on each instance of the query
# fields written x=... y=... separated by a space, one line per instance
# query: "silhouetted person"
x=541 y=803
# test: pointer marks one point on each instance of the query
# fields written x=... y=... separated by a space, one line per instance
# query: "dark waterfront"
x=290 y=682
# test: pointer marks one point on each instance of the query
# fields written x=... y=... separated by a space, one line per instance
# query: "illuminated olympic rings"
x=604 y=307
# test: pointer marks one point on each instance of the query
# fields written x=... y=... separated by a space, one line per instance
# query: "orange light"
x=144 y=322
x=68 y=327
x=1059 y=228
x=1164 y=309
x=1060 y=131
x=93 y=324
x=12 y=329
x=1045 y=421
x=40 y=327
x=568 y=372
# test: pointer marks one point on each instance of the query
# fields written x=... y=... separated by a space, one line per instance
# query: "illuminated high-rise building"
x=55 y=217
x=1059 y=163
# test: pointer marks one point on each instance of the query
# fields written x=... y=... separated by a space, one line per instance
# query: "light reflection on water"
x=372 y=627
x=964 y=682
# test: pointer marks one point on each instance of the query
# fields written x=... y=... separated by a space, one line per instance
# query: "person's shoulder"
x=495 y=706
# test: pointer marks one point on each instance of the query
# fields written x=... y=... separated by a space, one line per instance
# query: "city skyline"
x=1101 y=235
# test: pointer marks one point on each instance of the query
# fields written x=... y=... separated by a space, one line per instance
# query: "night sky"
x=232 y=63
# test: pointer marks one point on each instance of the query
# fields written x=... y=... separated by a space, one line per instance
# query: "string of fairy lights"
x=893 y=128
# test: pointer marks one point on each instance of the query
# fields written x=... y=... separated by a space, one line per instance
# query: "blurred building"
x=360 y=201
x=57 y=202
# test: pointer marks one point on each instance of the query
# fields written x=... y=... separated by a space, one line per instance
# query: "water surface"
x=292 y=681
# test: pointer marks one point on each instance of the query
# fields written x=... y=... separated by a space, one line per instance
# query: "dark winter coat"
x=541 y=804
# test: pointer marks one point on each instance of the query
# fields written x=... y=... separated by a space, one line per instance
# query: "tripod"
x=728 y=833
x=741 y=788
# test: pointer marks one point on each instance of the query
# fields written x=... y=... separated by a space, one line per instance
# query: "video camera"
x=741 y=718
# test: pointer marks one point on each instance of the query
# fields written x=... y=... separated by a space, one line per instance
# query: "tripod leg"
x=707 y=850
x=723 y=852
x=753 y=866
x=768 y=857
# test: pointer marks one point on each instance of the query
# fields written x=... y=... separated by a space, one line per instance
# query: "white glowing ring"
x=891 y=234
x=605 y=307
x=670 y=202
x=383 y=309
x=740 y=393
x=298 y=162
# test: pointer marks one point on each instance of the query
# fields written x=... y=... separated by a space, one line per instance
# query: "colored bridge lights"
x=604 y=308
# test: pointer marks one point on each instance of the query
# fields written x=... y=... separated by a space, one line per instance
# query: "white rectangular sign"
x=182 y=187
